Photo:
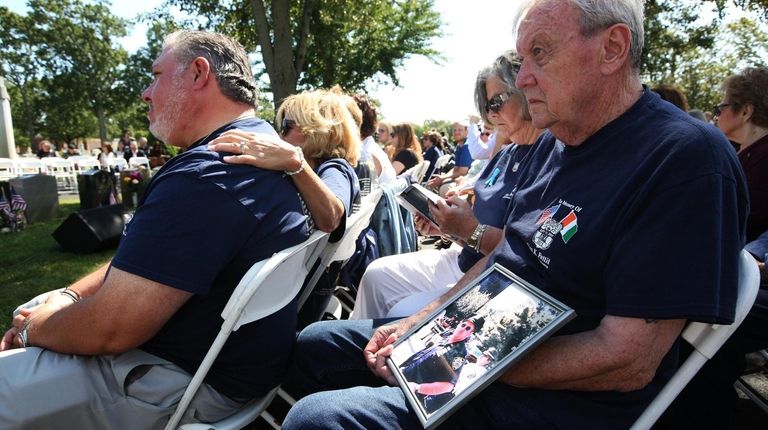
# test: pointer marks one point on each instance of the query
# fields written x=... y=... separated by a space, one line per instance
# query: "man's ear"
x=201 y=70
x=746 y=112
x=616 y=42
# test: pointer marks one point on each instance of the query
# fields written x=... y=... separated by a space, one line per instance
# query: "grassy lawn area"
x=31 y=262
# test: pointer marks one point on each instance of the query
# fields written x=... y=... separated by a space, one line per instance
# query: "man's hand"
x=9 y=340
x=455 y=217
x=435 y=182
x=380 y=347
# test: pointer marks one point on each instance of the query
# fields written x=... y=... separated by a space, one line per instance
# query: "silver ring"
x=242 y=147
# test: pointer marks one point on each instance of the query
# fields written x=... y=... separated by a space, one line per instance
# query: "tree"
x=319 y=43
x=85 y=61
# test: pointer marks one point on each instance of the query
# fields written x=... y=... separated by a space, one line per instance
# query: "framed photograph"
x=463 y=346
x=416 y=199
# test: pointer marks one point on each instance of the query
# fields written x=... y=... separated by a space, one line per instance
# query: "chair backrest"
x=442 y=161
x=119 y=162
x=139 y=161
x=706 y=340
x=418 y=171
x=265 y=288
x=83 y=163
x=7 y=168
x=25 y=166
x=345 y=247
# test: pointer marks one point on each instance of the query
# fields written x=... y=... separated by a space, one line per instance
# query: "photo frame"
x=416 y=199
x=464 y=345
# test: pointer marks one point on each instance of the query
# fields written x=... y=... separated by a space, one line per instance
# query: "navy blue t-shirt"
x=645 y=219
x=492 y=190
x=200 y=226
x=341 y=179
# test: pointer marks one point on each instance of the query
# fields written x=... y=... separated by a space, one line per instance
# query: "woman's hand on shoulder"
x=256 y=149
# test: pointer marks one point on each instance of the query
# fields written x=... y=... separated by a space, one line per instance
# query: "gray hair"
x=597 y=15
x=228 y=59
x=505 y=68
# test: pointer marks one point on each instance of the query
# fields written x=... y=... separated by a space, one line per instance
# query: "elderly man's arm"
x=621 y=354
x=124 y=313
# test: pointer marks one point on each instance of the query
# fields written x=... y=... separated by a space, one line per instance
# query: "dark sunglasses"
x=718 y=109
x=286 y=126
x=496 y=102
x=485 y=133
x=467 y=326
x=391 y=134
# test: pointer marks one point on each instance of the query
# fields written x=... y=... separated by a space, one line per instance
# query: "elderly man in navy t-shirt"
x=116 y=349
x=610 y=202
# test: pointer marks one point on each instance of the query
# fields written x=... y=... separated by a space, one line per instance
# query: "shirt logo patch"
x=549 y=227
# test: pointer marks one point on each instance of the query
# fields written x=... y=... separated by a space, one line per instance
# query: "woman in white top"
x=107 y=156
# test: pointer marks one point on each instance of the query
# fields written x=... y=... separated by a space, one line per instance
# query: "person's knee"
x=316 y=411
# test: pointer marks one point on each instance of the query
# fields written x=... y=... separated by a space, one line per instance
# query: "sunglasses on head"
x=718 y=109
x=286 y=126
x=496 y=102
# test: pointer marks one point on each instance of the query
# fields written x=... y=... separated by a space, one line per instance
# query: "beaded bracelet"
x=301 y=164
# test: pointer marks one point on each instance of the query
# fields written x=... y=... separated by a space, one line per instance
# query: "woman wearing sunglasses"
x=317 y=147
x=424 y=275
x=406 y=151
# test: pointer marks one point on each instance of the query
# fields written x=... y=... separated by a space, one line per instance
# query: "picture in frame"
x=467 y=343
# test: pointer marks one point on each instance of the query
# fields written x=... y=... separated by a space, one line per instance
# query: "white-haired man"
x=610 y=203
x=116 y=349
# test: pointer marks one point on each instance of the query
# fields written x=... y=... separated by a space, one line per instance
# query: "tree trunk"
x=102 y=122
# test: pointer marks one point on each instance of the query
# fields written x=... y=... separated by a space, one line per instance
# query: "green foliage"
x=320 y=43
x=33 y=263
x=698 y=57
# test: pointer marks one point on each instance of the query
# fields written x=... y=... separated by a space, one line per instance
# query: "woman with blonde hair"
x=406 y=151
x=317 y=148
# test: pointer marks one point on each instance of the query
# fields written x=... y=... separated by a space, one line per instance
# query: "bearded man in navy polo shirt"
x=116 y=349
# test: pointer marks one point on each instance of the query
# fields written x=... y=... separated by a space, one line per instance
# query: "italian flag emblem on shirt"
x=570 y=226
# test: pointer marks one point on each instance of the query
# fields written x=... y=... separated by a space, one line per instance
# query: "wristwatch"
x=476 y=237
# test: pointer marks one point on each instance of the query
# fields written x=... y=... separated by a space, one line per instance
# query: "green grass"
x=31 y=262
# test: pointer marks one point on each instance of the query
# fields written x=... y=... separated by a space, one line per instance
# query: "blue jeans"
x=329 y=362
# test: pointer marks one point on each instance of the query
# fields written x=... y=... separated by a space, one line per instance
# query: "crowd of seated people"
x=599 y=156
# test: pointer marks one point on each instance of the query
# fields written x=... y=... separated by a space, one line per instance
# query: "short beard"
x=168 y=119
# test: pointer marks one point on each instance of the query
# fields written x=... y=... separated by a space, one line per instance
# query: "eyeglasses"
x=467 y=326
x=718 y=109
x=286 y=126
x=485 y=133
x=496 y=102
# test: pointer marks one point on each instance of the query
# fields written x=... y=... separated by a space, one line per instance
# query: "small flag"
x=570 y=227
x=17 y=202
x=4 y=206
x=547 y=214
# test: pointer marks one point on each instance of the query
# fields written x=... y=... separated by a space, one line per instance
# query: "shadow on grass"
x=31 y=262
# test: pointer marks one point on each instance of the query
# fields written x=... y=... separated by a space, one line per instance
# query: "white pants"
x=391 y=279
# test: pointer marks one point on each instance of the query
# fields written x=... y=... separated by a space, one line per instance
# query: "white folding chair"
x=7 y=169
x=417 y=172
x=267 y=287
x=139 y=161
x=118 y=162
x=345 y=247
x=84 y=163
x=706 y=340
x=28 y=166
x=441 y=162
x=63 y=170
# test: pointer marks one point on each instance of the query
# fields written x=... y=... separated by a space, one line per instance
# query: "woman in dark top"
x=431 y=142
x=407 y=152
